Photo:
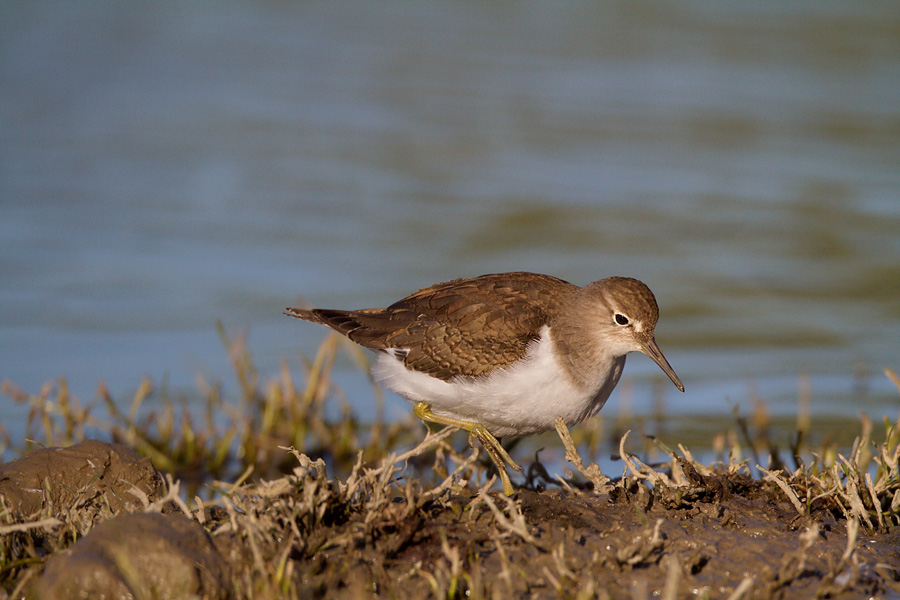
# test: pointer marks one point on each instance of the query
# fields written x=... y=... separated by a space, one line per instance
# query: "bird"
x=505 y=354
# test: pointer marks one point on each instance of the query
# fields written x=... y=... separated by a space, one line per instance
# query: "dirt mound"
x=136 y=556
x=56 y=479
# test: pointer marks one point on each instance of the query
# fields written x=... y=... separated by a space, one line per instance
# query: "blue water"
x=166 y=166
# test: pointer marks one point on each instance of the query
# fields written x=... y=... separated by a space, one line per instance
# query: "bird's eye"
x=621 y=319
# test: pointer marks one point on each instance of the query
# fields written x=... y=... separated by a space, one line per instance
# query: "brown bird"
x=505 y=354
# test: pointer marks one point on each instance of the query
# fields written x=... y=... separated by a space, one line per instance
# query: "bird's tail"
x=302 y=313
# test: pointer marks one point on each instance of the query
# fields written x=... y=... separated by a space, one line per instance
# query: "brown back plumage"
x=464 y=327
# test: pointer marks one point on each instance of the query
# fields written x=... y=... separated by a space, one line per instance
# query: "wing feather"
x=460 y=328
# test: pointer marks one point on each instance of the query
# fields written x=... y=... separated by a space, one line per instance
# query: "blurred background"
x=167 y=165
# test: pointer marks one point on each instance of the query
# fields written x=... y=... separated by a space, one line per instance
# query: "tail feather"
x=348 y=323
x=302 y=313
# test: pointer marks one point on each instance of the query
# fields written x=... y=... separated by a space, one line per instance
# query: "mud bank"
x=96 y=519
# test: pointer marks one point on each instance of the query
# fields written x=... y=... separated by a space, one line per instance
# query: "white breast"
x=525 y=398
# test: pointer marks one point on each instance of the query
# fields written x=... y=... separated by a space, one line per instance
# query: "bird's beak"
x=653 y=351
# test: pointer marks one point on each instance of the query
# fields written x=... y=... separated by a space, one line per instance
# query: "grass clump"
x=225 y=438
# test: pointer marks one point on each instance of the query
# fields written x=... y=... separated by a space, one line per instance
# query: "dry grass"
x=230 y=436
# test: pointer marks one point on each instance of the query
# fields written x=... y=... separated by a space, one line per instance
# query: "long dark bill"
x=653 y=351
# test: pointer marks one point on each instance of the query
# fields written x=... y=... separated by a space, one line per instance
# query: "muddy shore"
x=98 y=519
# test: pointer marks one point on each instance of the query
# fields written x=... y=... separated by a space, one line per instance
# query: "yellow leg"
x=498 y=455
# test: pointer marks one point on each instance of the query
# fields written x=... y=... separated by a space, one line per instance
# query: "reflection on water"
x=167 y=166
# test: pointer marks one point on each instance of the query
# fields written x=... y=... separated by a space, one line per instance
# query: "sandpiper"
x=507 y=353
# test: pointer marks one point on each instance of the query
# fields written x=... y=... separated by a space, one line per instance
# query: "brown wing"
x=464 y=327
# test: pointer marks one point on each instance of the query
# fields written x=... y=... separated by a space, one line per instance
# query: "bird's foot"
x=499 y=456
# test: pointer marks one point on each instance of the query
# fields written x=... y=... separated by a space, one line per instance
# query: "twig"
x=742 y=590
x=514 y=525
x=45 y=523
x=777 y=480
x=592 y=471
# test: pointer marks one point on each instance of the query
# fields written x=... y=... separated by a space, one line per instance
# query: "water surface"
x=165 y=166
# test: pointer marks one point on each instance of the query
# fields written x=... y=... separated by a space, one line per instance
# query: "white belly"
x=525 y=398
